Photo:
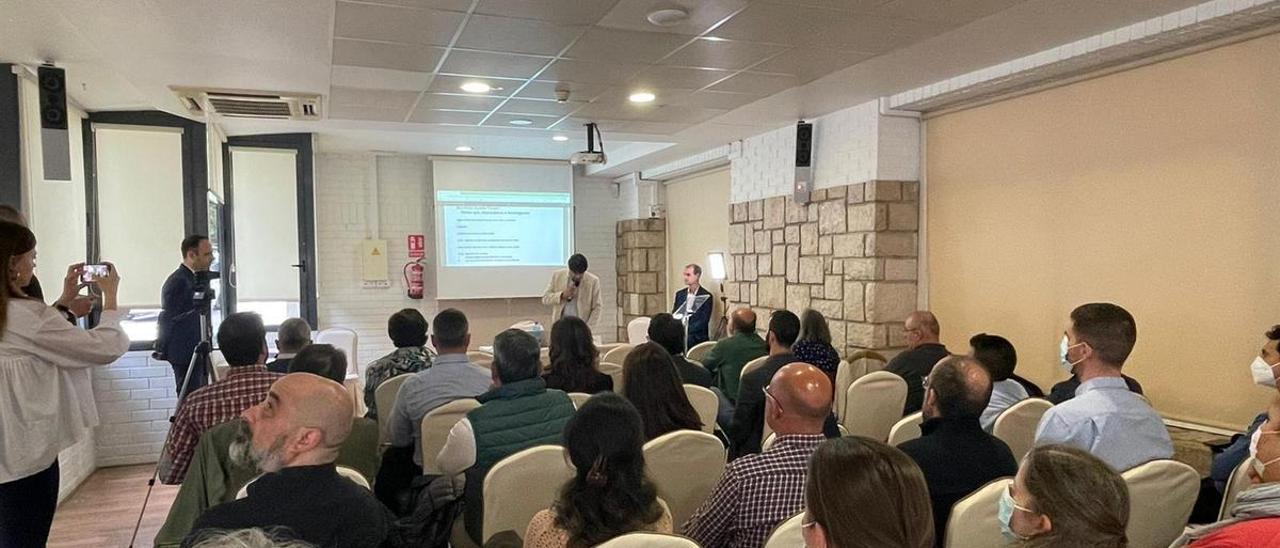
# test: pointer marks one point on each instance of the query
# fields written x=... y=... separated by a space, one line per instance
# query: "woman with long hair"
x=1065 y=497
x=610 y=494
x=574 y=359
x=861 y=493
x=47 y=402
x=814 y=344
x=652 y=384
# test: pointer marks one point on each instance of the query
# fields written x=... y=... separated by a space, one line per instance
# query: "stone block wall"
x=849 y=254
x=642 y=267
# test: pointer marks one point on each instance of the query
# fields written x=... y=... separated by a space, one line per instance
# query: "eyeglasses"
x=807 y=522
x=769 y=396
x=924 y=382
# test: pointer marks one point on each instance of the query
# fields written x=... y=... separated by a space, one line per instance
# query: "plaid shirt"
x=756 y=493
x=244 y=387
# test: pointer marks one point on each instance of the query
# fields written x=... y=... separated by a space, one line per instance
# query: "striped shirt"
x=244 y=387
x=756 y=493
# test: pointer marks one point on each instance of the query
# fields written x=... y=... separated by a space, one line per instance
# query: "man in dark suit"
x=698 y=319
x=179 y=322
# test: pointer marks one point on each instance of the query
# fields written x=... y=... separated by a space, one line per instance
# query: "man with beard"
x=293 y=437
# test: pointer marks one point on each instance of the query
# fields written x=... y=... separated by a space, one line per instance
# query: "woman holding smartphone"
x=46 y=401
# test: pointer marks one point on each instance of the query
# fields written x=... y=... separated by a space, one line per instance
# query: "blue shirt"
x=1003 y=395
x=451 y=377
x=1109 y=421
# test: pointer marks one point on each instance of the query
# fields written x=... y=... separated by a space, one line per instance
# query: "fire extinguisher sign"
x=417 y=246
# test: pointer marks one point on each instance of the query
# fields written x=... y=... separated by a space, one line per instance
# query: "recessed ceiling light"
x=462 y=148
x=476 y=87
x=642 y=97
x=560 y=138
x=668 y=17
x=520 y=122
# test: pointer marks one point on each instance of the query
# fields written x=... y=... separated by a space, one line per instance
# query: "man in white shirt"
x=574 y=292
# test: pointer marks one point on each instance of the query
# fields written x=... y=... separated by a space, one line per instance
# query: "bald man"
x=293 y=437
x=956 y=455
x=759 y=491
x=923 y=351
x=727 y=357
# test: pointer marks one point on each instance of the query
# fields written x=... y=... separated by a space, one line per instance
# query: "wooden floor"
x=103 y=511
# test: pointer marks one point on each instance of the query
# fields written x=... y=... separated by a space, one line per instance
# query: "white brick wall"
x=136 y=397
x=595 y=217
x=75 y=463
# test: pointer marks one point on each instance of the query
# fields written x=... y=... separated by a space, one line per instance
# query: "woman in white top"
x=46 y=401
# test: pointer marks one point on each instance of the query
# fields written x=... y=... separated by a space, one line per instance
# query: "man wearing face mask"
x=1104 y=418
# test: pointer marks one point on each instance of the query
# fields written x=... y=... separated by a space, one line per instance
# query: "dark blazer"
x=913 y=365
x=691 y=373
x=279 y=365
x=746 y=432
x=957 y=457
x=700 y=320
x=179 y=325
x=597 y=382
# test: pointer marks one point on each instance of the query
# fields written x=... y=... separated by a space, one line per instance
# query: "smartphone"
x=92 y=272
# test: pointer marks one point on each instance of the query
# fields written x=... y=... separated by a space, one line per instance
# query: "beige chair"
x=974 y=521
x=906 y=429
x=386 y=394
x=1161 y=495
x=752 y=366
x=482 y=359
x=522 y=485
x=435 y=430
x=579 y=398
x=1016 y=426
x=706 y=403
x=699 y=351
x=345 y=340
x=787 y=534
x=614 y=371
x=649 y=540
x=685 y=465
x=618 y=355
x=858 y=364
x=873 y=404
x=768 y=441
x=1237 y=483
x=354 y=475
x=638 y=331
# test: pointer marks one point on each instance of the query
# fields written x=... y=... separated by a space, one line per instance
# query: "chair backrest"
x=480 y=358
x=772 y=437
x=787 y=534
x=906 y=429
x=435 y=429
x=975 y=521
x=851 y=369
x=649 y=540
x=345 y=340
x=618 y=354
x=1238 y=482
x=873 y=404
x=706 y=403
x=638 y=330
x=522 y=485
x=614 y=371
x=1161 y=496
x=385 y=395
x=685 y=465
x=752 y=366
x=699 y=351
x=579 y=398
x=354 y=475
x=1016 y=426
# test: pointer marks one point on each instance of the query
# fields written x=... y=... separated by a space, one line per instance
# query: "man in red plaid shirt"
x=243 y=342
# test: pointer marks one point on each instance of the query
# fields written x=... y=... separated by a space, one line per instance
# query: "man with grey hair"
x=293 y=335
x=518 y=413
x=924 y=349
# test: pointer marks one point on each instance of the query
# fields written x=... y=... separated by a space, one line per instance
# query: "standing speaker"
x=54 y=137
x=804 y=162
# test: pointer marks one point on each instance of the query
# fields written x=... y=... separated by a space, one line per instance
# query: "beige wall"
x=1154 y=188
x=697 y=222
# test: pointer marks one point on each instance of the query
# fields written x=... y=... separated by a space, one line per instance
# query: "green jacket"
x=727 y=357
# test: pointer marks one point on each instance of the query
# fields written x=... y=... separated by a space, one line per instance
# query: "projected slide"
x=497 y=229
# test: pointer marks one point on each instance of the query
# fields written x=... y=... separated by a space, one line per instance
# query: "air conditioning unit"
x=249 y=104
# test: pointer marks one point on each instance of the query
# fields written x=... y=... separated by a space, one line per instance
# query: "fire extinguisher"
x=413 y=278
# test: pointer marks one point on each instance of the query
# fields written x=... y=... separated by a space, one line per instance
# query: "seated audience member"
x=953 y=452
x=668 y=333
x=321 y=359
x=451 y=377
x=747 y=428
x=650 y=383
x=727 y=357
x=1265 y=368
x=1254 y=519
x=609 y=495
x=243 y=342
x=408 y=331
x=814 y=344
x=861 y=492
x=997 y=355
x=1066 y=390
x=574 y=359
x=293 y=436
x=1063 y=496
x=293 y=336
x=518 y=413
x=924 y=350
x=757 y=492
x=1104 y=418
x=360 y=451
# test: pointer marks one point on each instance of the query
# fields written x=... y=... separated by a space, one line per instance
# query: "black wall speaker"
x=55 y=140
x=804 y=162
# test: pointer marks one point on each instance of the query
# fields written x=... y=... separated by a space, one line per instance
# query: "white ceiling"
x=391 y=69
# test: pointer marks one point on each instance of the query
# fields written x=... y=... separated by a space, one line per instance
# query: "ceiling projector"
x=591 y=155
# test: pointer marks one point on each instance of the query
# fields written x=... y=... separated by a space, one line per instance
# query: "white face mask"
x=1257 y=435
x=1259 y=467
x=1263 y=374
x=1064 y=361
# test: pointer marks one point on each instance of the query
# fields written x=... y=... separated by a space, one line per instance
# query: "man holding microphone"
x=574 y=292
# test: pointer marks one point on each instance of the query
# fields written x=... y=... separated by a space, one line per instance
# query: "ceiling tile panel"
x=682 y=115
x=624 y=46
x=547 y=108
x=388 y=56
x=459 y=102
x=375 y=114
x=857 y=6
x=476 y=63
x=810 y=64
x=679 y=77
x=427 y=116
x=588 y=72
x=395 y=24
x=702 y=14
x=516 y=35
x=536 y=122
x=953 y=12
x=380 y=98
x=723 y=54
x=566 y=12
x=546 y=89
x=873 y=34
x=780 y=23
x=502 y=87
x=757 y=83
x=717 y=99
x=366 y=77
x=451 y=5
